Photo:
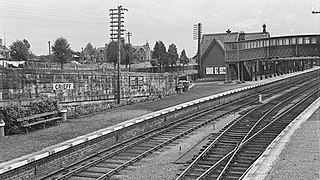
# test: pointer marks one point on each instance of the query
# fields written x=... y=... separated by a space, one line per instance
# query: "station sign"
x=136 y=80
x=62 y=86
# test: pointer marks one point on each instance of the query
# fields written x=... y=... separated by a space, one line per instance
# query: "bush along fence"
x=10 y=114
x=81 y=91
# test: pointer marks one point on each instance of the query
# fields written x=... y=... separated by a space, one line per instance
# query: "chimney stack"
x=228 y=31
x=264 y=28
x=242 y=36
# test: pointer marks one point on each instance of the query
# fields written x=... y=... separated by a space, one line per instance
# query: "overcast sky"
x=171 y=21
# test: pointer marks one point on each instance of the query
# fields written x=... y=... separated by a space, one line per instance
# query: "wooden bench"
x=43 y=118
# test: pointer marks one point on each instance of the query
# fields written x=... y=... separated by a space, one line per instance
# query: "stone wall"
x=81 y=87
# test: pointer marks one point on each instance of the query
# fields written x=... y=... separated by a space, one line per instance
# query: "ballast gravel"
x=160 y=165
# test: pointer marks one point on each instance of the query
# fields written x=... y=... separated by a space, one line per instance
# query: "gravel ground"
x=160 y=166
x=19 y=145
x=301 y=157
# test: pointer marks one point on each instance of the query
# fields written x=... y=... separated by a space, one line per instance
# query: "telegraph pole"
x=116 y=25
x=197 y=29
x=49 y=54
x=129 y=34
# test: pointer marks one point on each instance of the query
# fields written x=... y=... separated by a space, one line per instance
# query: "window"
x=300 y=40
x=261 y=43
x=234 y=45
x=246 y=45
x=256 y=44
x=286 y=42
x=209 y=70
x=222 y=70
x=307 y=40
x=241 y=45
x=279 y=42
x=266 y=42
x=273 y=42
x=216 y=70
x=293 y=40
x=313 y=40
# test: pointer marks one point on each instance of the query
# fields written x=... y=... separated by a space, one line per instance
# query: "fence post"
x=63 y=113
x=2 y=124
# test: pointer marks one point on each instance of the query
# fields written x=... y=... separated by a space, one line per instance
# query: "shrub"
x=11 y=113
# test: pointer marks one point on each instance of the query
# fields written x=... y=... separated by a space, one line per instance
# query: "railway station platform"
x=295 y=153
x=19 y=150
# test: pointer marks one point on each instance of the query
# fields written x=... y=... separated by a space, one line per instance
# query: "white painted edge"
x=93 y=136
x=61 y=148
x=129 y=124
x=40 y=156
x=18 y=164
x=117 y=128
x=106 y=132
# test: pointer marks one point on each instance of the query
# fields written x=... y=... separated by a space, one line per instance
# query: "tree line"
x=163 y=58
x=62 y=53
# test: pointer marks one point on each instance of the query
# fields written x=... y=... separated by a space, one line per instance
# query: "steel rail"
x=233 y=152
x=243 y=143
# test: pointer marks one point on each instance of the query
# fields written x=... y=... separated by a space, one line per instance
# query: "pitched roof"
x=257 y=35
x=214 y=41
x=228 y=37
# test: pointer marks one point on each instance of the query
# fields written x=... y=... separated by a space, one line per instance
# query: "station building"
x=212 y=53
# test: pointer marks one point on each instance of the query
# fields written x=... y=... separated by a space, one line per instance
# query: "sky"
x=170 y=21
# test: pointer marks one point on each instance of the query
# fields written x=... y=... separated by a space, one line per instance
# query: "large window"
x=313 y=40
x=293 y=41
x=300 y=40
x=209 y=70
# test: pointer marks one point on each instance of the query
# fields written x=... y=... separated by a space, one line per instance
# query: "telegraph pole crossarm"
x=116 y=31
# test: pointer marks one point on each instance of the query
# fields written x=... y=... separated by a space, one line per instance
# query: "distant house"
x=101 y=55
x=213 y=51
x=142 y=53
x=4 y=52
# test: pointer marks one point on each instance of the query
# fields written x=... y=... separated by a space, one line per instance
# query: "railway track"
x=231 y=154
x=108 y=163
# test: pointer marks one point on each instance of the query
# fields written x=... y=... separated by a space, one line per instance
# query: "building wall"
x=213 y=64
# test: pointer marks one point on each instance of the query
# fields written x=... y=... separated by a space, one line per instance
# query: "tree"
x=126 y=53
x=19 y=50
x=183 y=59
x=91 y=51
x=153 y=63
x=160 y=53
x=61 y=51
x=112 y=53
x=173 y=55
